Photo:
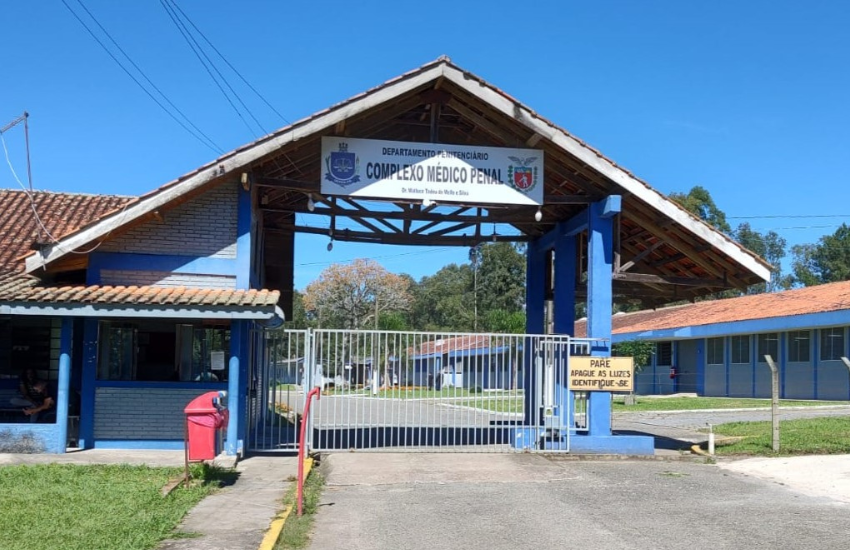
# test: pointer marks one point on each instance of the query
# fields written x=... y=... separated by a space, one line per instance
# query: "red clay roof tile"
x=15 y=287
x=801 y=301
x=60 y=214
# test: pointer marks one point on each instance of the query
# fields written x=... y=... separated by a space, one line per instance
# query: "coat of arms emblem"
x=342 y=166
x=522 y=175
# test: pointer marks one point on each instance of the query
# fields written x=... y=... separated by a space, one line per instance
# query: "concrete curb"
x=747 y=409
x=270 y=539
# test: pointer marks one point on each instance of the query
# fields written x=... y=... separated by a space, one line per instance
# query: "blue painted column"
x=565 y=312
x=231 y=445
x=565 y=284
x=66 y=336
x=535 y=297
x=237 y=376
x=89 y=377
x=783 y=362
x=600 y=300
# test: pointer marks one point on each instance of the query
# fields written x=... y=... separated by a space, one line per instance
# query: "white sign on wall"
x=436 y=172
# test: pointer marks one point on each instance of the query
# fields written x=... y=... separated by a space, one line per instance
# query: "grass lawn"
x=827 y=435
x=503 y=405
x=296 y=531
x=696 y=403
x=64 y=506
x=514 y=403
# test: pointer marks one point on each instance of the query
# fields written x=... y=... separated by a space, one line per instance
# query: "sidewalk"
x=237 y=517
x=234 y=518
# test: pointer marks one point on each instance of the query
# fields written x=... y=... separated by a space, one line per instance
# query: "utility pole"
x=23 y=118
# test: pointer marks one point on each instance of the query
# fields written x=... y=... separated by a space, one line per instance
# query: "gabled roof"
x=433 y=348
x=59 y=214
x=802 y=301
x=656 y=232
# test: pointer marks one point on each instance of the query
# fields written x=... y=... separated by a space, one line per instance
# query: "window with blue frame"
x=739 y=349
x=664 y=354
x=799 y=346
x=768 y=344
x=714 y=349
x=832 y=344
x=160 y=352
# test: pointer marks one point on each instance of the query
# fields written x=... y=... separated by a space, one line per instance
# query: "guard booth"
x=437 y=157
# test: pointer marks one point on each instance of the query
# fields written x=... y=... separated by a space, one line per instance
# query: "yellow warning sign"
x=602 y=373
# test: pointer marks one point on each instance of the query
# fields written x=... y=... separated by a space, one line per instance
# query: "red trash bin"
x=205 y=416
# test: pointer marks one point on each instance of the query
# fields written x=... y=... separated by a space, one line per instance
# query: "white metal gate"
x=461 y=392
x=276 y=385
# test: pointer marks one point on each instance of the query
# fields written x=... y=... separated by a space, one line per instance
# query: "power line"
x=221 y=55
x=149 y=81
x=37 y=218
x=209 y=66
x=211 y=145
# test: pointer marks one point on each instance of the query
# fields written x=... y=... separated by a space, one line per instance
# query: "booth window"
x=158 y=352
x=798 y=346
x=740 y=349
x=832 y=344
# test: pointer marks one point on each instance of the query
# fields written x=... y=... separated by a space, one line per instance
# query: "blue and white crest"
x=342 y=166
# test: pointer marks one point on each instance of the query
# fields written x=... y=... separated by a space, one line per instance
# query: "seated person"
x=34 y=396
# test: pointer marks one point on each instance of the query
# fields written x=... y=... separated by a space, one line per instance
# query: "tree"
x=444 y=300
x=301 y=319
x=698 y=201
x=769 y=246
x=501 y=278
x=641 y=350
x=355 y=295
x=825 y=262
x=500 y=320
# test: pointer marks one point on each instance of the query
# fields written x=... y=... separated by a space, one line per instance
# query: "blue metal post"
x=231 y=446
x=600 y=255
x=535 y=296
x=65 y=341
x=565 y=309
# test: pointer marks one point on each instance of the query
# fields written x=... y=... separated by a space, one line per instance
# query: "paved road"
x=508 y=502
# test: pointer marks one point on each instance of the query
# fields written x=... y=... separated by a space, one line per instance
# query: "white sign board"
x=216 y=360
x=436 y=172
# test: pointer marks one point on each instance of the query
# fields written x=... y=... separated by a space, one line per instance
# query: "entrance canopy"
x=661 y=252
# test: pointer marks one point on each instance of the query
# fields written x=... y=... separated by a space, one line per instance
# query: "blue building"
x=133 y=306
x=717 y=348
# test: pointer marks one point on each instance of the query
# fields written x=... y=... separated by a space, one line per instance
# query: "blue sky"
x=748 y=99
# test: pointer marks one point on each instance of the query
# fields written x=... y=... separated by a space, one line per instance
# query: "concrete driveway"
x=509 y=501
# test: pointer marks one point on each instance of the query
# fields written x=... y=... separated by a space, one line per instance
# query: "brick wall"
x=141 y=413
x=205 y=226
x=165 y=279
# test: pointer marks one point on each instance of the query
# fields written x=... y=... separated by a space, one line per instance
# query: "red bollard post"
x=301 y=446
